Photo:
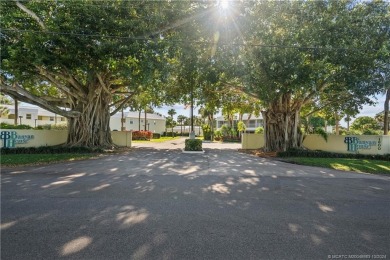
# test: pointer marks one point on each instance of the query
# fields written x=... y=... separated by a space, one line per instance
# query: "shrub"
x=322 y=133
x=371 y=132
x=217 y=135
x=169 y=134
x=43 y=127
x=63 y=126
x=206 y=132
x=241 y=126
x=142 y=135
x=322 y=154
x=225 y=130
x=231 y=139
x=193 y=145
x=259 y=130
x=156 y=136
x=50 y=150
x=9 y=126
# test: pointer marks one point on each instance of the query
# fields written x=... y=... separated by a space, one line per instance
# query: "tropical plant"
x=170 y=123
x=217 y=135
x=241 y=127
x=365 y=124
x=259 y=130
x=181 y=119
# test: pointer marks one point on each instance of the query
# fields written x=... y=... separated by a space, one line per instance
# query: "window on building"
x=131 y=122
x=52 y=118
x=28 y=116
x=63 y=119
x=252 y=123
x=40 y=118
x=12 y=116
x=142 y=120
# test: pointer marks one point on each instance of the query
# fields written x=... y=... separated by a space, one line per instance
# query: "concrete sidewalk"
x=163 y=204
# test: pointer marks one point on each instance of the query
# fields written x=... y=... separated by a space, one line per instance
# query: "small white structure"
x=187 y=129
x=35 y=116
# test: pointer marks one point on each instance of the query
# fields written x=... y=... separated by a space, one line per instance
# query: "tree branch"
x=103 y=84
x=50 y=76
x=31 y=13
x=313 y=93
x=241 y=89
x=21 y=94
x=121 y=105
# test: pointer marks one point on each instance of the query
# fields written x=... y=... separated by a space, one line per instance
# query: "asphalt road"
x=163 y=204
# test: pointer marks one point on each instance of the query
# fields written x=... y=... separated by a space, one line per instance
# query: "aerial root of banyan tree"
x=92 y=127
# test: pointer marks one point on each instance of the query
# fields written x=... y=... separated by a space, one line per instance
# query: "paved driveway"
x=163 y=204
x=179 y=144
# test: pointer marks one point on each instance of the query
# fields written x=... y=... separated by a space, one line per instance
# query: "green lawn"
x=344 y=164
x=31 y=159
x=160 y=140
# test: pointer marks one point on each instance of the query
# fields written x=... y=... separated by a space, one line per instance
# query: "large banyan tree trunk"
x=281 y=125
x=92 y=128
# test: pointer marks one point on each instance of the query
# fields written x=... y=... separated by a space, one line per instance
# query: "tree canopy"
x=87 y=59
x=84 y=60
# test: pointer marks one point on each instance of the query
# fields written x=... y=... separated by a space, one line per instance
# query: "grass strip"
x=36 y=159
x=345 y=164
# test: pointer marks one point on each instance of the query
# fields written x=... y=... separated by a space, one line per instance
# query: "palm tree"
x=147 y=109
x=180 y=120
x=172 y=112
x=208 y=114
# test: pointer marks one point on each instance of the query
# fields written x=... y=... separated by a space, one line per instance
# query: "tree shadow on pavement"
x=163 y=204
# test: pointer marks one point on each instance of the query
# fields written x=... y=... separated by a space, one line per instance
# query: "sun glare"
x=224 y=4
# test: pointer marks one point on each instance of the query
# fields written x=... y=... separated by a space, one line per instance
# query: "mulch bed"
x=259 y=153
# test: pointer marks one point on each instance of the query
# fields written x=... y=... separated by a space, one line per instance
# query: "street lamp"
x=20 y=120
x=36 y=123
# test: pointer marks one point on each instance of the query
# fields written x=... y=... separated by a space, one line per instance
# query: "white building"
x=36 y=116
x=31 y=115
x=251 y=124
x=133 y=121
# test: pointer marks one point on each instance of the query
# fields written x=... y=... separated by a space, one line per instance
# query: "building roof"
x=11 y=109
x=135 y=114
x=244 y=117
x=43 y=112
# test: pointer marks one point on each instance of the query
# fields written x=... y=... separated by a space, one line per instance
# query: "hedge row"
x=323 y=154
x=49 y=150
x=9 y=126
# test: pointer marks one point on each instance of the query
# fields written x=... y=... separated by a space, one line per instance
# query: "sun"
x=223 y=4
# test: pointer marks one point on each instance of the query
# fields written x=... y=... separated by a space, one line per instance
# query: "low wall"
x=364 y=144
x=35 y=138
x=252 y=141
x=121 y=138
